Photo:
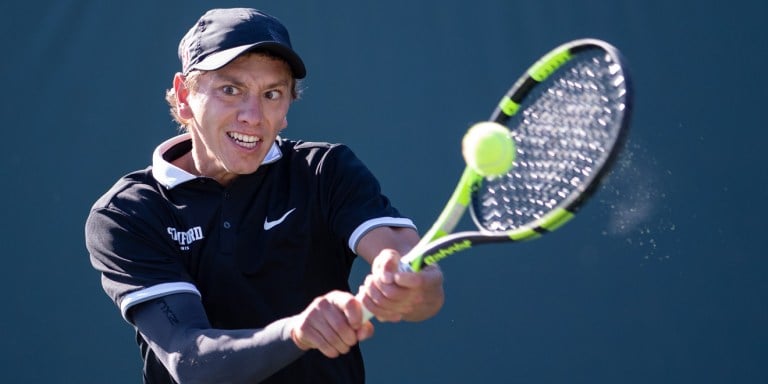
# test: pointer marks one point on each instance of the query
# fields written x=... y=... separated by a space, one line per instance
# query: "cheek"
x=283 y=121
x=212 y=114
x=200 y=104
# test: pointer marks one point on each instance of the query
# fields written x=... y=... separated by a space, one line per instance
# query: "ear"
x=182 y=94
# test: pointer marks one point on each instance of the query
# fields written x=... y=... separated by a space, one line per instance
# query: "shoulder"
x=318 y=154
x=131 y=193
x=126 y=217
x=291 y=147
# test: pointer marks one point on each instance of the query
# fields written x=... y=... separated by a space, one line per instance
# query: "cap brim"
x=219 y=59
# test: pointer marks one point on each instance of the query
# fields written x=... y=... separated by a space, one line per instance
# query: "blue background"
x=662 y=278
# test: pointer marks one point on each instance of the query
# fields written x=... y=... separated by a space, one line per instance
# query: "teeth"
x=245 y=140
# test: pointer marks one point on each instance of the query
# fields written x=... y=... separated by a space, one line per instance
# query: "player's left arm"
x=392 y=295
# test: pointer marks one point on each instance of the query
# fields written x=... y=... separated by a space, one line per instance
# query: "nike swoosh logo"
x=271 y=224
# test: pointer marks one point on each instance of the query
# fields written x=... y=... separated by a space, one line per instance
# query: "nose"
x=250 y=111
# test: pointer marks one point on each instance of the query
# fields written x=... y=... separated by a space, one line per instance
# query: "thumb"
x=385 y=265
x=365 y=331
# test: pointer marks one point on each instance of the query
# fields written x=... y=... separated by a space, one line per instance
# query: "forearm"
x=177 y=330
x=232 y=356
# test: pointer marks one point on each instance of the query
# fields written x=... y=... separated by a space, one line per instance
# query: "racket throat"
x=433 y=255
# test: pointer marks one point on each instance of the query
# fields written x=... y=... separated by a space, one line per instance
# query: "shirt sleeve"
x=182 y=339
x=356 y=204
x=136 y=262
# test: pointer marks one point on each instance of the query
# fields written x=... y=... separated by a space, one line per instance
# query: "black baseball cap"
x=221 y=35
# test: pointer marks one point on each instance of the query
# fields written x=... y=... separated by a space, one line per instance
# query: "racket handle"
x=368 y=315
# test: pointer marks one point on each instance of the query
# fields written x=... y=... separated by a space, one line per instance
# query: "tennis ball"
x=488 y=149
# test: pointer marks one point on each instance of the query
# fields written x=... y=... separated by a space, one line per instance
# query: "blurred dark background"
x=661 y=279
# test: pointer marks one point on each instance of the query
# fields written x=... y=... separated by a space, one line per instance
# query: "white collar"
x=170 y=175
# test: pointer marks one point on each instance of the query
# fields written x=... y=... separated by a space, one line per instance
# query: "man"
x=230 y=255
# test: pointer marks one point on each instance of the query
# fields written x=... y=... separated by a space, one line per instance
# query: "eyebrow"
x=235 y=81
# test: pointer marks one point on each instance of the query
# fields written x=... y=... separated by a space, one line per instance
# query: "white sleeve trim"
x=154 y=292
x=369 y=225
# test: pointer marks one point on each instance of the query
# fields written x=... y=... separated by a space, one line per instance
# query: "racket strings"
x=564 y=131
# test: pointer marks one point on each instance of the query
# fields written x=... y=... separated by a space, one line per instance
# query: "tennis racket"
x=568 y=116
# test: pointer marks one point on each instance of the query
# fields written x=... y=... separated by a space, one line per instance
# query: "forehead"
x=255 y=67
x=249 y=69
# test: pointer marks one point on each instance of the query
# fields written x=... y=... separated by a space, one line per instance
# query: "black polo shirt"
x=257 y=250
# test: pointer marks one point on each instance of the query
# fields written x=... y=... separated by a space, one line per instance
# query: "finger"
x=385 y=265
x=400 y=297
x=418 y=279
x=353 y=310
x=366 y=331
x=307 y=336
x=325 y=326
x=346 y=311
x=410 y=280
x=322 y=343
x=387 y=294
x=378 y=303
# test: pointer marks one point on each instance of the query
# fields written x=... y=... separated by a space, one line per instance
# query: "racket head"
x=569 y=116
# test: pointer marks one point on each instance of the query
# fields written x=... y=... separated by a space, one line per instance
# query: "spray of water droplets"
x=635 y=204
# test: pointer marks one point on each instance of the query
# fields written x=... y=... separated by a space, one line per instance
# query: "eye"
x=230 y=90
x=273 y=94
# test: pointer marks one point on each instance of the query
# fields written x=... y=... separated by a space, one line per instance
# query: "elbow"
x=188 y=369
x=183 y=367
x=187 y=366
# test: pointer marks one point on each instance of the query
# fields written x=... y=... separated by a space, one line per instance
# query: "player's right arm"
x=178 y=331
x=157 y=296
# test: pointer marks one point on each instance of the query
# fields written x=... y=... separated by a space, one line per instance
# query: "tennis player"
x=230 y=255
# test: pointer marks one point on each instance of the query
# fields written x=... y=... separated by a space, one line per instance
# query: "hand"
x=332 y=323
x=392 y=295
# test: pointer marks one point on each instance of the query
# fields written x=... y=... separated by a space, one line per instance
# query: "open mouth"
x=245 y=141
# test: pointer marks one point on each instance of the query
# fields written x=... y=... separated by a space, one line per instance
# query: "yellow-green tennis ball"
x=488 y=149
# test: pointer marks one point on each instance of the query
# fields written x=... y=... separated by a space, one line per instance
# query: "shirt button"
x=227 y=225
